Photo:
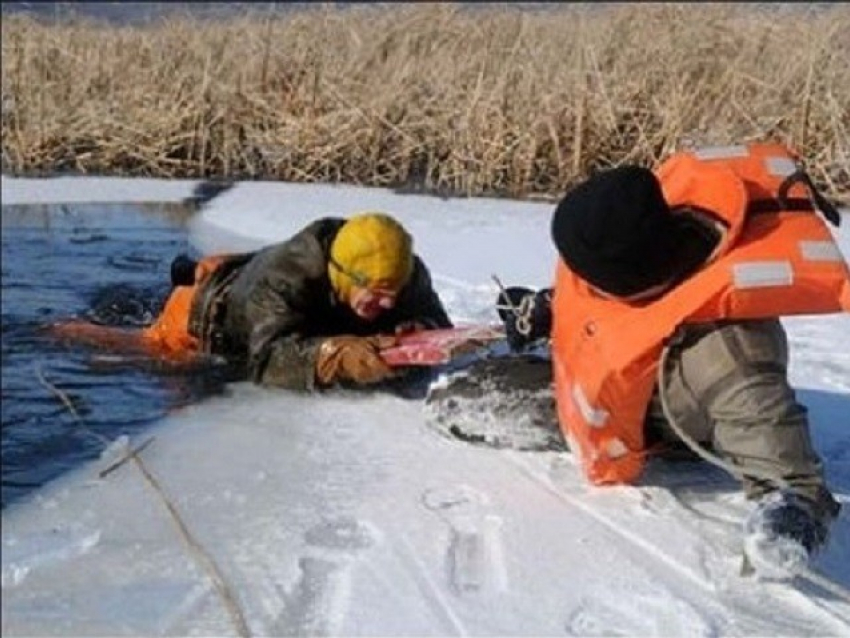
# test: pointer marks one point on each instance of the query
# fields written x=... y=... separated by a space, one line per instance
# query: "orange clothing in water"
x=168 y=337
x=774 y=259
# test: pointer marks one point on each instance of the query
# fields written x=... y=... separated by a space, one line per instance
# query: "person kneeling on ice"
x=664 y=329
x=310 y=312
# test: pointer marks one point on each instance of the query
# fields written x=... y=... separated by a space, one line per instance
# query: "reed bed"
x=436 y=97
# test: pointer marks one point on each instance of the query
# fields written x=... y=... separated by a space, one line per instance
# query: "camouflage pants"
x=726 y=385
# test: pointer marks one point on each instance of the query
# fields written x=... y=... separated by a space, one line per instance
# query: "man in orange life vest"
x=664 y=329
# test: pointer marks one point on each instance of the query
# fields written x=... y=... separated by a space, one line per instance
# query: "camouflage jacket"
x=280 y=306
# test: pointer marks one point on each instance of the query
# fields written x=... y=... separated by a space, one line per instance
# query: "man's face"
x=369 y=303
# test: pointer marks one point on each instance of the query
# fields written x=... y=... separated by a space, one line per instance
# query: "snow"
x=70 y=190
x=346 y=514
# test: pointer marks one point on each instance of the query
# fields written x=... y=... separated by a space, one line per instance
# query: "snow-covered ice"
x=345 y=514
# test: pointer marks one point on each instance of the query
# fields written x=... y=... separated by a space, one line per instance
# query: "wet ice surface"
x=348 y=514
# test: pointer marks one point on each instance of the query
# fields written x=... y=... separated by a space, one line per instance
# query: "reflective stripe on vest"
x=605 y=352
x=762 y=274
x=595 y=417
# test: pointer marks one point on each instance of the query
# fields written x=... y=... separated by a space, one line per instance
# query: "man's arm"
x=278 y=353
x=280 y=358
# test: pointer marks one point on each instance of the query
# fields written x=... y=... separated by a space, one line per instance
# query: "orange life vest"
x=777 y=257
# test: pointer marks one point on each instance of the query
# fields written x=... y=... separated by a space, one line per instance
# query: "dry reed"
x=432 y=96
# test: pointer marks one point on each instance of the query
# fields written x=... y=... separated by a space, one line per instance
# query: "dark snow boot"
x=527 y=315
x=782 y=533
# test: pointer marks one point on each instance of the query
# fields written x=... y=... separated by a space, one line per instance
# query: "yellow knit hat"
x=370 y=250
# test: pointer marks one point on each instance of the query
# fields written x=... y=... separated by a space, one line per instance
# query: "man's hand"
x=353 y=359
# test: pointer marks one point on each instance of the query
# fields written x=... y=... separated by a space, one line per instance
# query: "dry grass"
x=493 y=101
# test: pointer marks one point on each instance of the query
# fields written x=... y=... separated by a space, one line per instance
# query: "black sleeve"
x=419 y=301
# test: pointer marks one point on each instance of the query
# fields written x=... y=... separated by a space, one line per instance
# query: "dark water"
x=107 y=263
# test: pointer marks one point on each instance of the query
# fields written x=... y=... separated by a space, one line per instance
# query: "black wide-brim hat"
x=616 y=231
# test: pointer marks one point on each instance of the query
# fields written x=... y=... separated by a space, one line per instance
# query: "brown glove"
x=354 y=359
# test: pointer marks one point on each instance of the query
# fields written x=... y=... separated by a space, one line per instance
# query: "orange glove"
x=354 y=359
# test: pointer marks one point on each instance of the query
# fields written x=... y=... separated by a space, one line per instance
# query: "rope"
x=836 y=589
x=702 y=452
x=806 y=573
x=207 y=561
x=200 y=554
x=694 y=446
x=522 y=313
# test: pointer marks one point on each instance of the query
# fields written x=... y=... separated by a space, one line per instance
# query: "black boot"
x=783 y=532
